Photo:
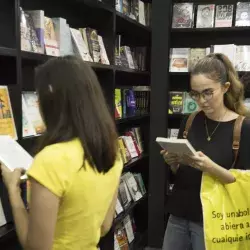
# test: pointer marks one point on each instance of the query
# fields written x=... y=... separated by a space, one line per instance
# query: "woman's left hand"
x=11 y=179
x=200 y=161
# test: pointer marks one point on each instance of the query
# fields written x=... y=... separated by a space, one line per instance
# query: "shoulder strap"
x=236 y=136
x=189 y=124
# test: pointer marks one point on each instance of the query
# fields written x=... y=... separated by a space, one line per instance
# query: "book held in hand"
x=176 y=146
x=13 y=156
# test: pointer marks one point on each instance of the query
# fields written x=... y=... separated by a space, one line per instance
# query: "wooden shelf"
x=6 y=232
x=131 y=118
x=128 y=210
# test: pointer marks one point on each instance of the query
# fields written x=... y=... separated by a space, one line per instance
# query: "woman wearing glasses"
x=219 y=93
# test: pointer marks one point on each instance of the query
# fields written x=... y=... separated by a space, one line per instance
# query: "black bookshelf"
x=18 y=68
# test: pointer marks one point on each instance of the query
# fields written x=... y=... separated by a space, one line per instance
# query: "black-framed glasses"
x=206 y=94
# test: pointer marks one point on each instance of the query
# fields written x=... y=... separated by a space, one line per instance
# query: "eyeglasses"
x=206 y=95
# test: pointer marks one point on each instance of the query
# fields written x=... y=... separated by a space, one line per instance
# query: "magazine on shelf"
x=205 y=16
x=182 y=15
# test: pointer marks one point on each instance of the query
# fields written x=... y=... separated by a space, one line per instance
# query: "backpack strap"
x=236 y=137
x=189 y=124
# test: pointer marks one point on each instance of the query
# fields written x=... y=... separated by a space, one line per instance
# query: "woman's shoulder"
x=59 y=151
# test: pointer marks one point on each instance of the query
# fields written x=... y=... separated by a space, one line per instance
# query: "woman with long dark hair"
x=75 y=176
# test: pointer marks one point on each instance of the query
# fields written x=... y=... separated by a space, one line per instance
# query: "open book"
x=13 y=156
x=176 y=146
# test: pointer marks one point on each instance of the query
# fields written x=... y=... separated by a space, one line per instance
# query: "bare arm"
x=107 y=223
x=221 y=173
x=36 y=231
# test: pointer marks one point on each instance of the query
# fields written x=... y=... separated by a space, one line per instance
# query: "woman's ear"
x=226 y=86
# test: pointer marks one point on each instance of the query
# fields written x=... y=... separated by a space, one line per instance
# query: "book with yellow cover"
x=7 y=123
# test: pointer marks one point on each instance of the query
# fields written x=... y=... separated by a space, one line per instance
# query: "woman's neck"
x=222 y=115
x=219 y=114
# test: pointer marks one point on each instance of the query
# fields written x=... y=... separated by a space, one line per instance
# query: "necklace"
x=209 y=137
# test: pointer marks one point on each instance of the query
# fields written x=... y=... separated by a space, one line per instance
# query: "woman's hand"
x=200 y=161
x=170 y=158
x=11 y=179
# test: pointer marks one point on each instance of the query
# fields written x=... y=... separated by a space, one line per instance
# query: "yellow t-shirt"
x=85 y=195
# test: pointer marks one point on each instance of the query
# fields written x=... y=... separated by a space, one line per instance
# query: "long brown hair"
x=219 y=68
x=73 y=106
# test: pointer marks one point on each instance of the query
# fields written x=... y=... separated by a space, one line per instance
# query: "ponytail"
x=219 y=68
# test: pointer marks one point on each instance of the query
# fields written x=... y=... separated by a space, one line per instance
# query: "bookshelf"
x=162 y=41
x=18 y=69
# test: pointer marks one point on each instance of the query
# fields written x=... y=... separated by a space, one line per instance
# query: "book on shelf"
x=129 y=229
x=124 y=194
x=54 y=37
x=242 y=14
x=91 y=39
x=131 y=190
x=183 y=15
x=121 y=237
x=195 y=54
x=179 y=60
x=224 y=15
x=50 y=41
x=133 y=187
x=176 y=146
x=29 y=39
x=130 y=57
x=237 y=54
x=136 y=9
x=38 y=22
x=7 y=122
x=181 y=103
x=173 y=133
x=63 y=36
x=131 y=102
x=33 y=122
x=205 y=16
x=103 y=52
x=80 y=47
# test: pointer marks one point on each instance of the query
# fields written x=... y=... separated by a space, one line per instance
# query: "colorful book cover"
x=118 y=104
x=51 y=44
x=175 y=102
x=131 y=103
x=7 y=123
x=33 y=113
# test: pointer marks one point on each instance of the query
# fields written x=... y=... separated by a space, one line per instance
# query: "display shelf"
x=131 y=118
x=133 y=71
x=131 y=22
x=7 y=51
x=133 y=162
x=128 y=210
x=206 y=30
